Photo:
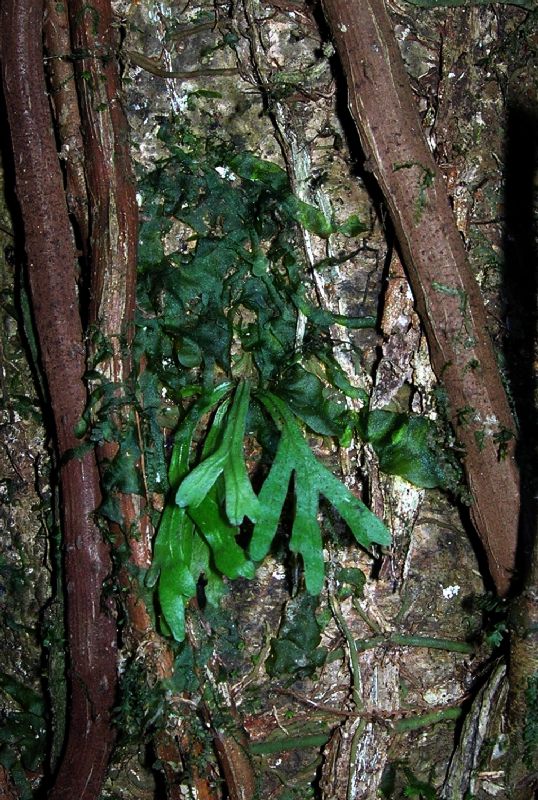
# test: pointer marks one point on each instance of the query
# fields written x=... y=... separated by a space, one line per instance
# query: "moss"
x=530 y=732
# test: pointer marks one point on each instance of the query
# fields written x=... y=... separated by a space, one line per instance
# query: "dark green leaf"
x=406 y=446
x=220 y=536
x=272 y=497
x=308 y=216
x=352 y=577
x=240 y=498
x=352 y=226
x=198 y=482
x=249 y=166
x=307 y=397
x=214 y=587
x=306 y=534
x=188 y=353
x=172 y=604
x=26 y=698
x=365 y=526
x=123 y=474
x=296 y=651
x=339 y=379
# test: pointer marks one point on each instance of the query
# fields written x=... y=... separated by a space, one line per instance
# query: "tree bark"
x=63 y=95
x=447 y=295
x=111 y=183
x=51 y=265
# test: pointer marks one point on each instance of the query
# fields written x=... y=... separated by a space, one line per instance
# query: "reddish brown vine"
x=51 y=265
x=111 y=184
x=112 y=248
x=447 y=295
x=63 y=95
x=113 y=244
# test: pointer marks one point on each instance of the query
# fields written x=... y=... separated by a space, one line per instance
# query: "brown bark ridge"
x=112 y=249
x=522 y=769
x=111 y=184
x=112 y=252
x=7 y=790
x=447 y=296
x=63 y=95
x=52 y=277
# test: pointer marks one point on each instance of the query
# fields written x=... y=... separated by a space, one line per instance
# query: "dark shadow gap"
x=520 y=296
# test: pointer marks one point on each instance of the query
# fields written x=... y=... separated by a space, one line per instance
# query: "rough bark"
x=64 y=99
x=399 y=682
x=447 y=295
x=111 y=249
x=111 y=185
x=51 y=267
x=7 y=790
x=523 y=675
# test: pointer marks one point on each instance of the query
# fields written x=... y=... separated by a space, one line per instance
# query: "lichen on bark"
x=398 y=653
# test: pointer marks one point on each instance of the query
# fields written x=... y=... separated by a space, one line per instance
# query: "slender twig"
x=394 y=639
x=7 y=231
x=192 y=30
x=356 y=689
x=409 y=723
x=150 y=65
x=366 y=617
x=352 y=649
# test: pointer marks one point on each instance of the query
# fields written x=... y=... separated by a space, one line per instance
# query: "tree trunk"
x=253 y=270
